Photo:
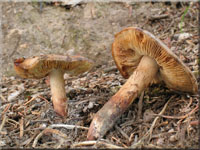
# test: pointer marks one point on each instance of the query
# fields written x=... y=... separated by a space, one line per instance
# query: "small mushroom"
x=55 y=66
x=143 y=59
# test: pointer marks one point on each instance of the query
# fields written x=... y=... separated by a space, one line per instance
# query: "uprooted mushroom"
x=142 y=59
x=55 y=66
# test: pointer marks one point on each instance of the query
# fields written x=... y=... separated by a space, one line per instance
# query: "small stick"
x=21 y=127
x=3 y=98
x=118 y=140
x=67 y=126
x=179 y=117
x=37 y=138
x=43 y=99
x=108 y=145
x=90 y=143
x=84 y=143
x=28 y=141
x=13 y=121
x=158 y=17
x=6 y=109
x=20 y=114
x=140 y=106
x=33 y=98
x=149 y=132
x=3 y=122
x=155 y=120
x=47 y=130
x=122 y=132
x=195 y=123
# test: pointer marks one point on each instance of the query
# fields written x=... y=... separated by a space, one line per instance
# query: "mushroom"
x=143 y=59
x=55 y=66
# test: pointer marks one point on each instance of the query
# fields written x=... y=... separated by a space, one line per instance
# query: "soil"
x=31 y=29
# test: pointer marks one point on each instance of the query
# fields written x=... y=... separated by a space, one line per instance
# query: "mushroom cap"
x=132 y=43
x=40 y=66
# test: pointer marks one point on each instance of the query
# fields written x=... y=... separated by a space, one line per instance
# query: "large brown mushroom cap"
x=40 y=66
x=132 y=43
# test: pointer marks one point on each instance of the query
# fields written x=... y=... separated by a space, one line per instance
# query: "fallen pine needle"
x=6 y=109
x=43 y=99
x=179 y=117
x=67 y=126
x=32 y=99
x=90 y=143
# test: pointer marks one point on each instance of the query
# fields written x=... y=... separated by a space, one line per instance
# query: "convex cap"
x=40 y=66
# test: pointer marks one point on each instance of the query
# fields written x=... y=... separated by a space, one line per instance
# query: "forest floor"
x=27 y=116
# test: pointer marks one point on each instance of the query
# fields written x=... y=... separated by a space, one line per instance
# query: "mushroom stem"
x=116 y=106
x=59 y=98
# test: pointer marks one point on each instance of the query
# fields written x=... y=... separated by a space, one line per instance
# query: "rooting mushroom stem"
x=59 y=98
x=118 y=104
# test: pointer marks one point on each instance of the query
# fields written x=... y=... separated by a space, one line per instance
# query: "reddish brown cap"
x=132 y=43
x=40 y=66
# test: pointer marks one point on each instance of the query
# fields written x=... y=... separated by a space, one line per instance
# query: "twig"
x=84 y=143
x=108 y=145
x=28 y=141
x=195 y=123
x=3 y=122
x=13 y=121
x=47 y=130
x=179 y=117
x=3 y=98
x=21 y=127
x=149 y=132
x=189 y=103
x=140 y=106
x=118 y=140
x=158 y=17
x=6 y=109
x=32 y=99
x=67 y=126
x=122 y=132
x=155 y=120
x=43 y=99
x=90 y=143
x=37 y=138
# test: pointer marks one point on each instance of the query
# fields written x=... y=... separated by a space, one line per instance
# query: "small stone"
x=148 y=115
x=43 y=125
x=171 y=130
x=90 y=105
x=172 y=138
x=13 y=95
x=160 y=141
